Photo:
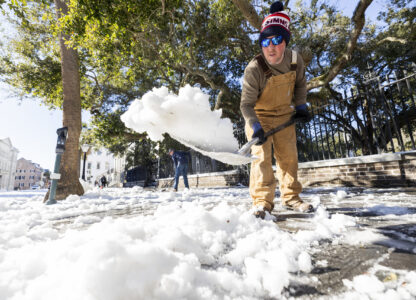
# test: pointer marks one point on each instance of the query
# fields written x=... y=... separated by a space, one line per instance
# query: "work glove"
x=302 y=114
x=258 y=133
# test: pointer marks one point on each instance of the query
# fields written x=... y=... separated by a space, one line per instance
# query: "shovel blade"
x=246 y=148
x=230 y=158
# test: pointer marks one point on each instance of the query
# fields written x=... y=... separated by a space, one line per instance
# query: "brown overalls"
x=273 y=108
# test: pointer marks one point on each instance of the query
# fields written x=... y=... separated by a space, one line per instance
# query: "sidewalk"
x=394 y=246
x=379 y=242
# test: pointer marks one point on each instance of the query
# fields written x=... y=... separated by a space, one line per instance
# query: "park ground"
x=135 y=243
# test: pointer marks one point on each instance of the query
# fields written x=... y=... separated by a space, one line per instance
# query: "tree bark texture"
x=358 y=21
x=70 y=164
x=249 y=13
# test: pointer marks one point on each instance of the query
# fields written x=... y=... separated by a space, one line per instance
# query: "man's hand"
x=258 y=133
x=302 y=114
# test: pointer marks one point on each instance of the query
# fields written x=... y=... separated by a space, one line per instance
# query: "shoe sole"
x=310 y=209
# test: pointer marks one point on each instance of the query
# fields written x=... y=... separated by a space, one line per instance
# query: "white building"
x=8 y=160
x=101 y=162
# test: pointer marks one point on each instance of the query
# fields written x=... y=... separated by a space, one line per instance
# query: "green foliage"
x=321 y=28
x=127 y=47
x=31 y=61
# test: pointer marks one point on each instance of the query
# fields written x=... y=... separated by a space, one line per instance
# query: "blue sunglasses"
x=275 y=41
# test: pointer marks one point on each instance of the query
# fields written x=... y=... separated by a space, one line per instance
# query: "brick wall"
x=383 y=170
x=219 y=179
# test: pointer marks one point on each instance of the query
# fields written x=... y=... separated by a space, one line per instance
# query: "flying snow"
x=186 y=116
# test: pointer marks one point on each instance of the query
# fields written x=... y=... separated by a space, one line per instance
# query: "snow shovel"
x=239 y=157
x=245 y=149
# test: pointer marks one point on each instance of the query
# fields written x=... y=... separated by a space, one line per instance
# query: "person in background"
x=103 y=181
x=273 y=92
x=180 y=161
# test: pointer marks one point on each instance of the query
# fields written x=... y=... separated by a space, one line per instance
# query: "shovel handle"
x=245 y=149
x=280 y=127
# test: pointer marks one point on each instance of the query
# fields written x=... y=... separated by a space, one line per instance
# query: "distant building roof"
x=8 y=142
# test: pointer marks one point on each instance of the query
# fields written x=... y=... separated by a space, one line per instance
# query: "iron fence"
x=378 y=116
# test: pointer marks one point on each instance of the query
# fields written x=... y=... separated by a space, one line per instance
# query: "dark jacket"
x=181 y=157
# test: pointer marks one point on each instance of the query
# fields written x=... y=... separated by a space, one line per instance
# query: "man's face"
x=274 y=53
x=170 y=153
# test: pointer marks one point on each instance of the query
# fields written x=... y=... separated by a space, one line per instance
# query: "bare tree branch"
x=358 y=19
x=249 y=13
x=392 y=39
x=223 y=88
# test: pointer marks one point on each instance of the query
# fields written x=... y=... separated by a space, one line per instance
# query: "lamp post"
x=158 y=160
x=55 y=176
x=84 y=148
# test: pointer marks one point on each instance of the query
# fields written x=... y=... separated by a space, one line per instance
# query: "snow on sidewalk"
x=195 y=244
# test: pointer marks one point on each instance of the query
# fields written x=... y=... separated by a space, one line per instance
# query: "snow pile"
x=199 y=244
x=85 y=185
x=381 y=283
x=186 y=117
x=183 y=250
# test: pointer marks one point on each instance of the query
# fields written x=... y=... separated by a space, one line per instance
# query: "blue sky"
x=31 y=127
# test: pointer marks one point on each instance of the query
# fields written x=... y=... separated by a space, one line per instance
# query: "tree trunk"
x=70 y=164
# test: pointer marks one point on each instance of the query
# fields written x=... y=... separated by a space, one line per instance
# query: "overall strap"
x=294 y=63
x=267 y=71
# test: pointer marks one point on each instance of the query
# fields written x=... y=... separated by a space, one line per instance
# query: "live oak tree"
x=127 y=47
x=71 y=109
x=61 y=89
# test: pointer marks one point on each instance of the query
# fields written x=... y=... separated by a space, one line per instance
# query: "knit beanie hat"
x=277 y=23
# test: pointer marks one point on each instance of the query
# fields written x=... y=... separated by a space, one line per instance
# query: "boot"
x=261 y=212
x=299 y=206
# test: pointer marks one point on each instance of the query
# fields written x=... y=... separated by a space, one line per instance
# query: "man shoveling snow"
x=273 y=81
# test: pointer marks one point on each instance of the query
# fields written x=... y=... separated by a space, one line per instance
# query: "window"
x=22 y=184
x=98 y=165
x=89 y=166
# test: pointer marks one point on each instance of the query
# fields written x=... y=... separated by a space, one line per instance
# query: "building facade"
x=28 y=175
x=8 y=160
x=101 y=162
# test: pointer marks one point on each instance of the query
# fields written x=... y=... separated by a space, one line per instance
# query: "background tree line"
x=101 y=55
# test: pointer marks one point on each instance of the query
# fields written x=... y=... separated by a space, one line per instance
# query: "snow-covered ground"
x=194 y=244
